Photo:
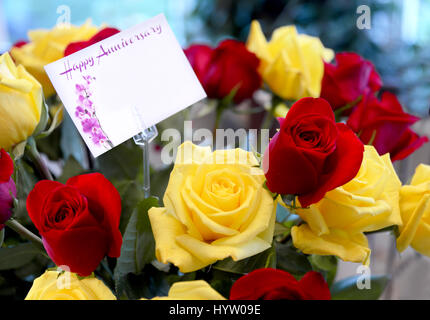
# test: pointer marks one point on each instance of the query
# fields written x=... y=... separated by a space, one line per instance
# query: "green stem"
x=219 y=111
x=338 y=112
x=26 y=234
x=267 y=122
x=35 y=156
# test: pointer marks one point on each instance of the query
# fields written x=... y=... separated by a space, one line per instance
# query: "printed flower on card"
x=86 y=113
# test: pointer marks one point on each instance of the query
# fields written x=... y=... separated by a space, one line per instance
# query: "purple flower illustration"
x=90 y=125
x=86 y=113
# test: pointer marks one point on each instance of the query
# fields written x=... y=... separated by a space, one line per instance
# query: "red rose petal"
x=274 y=284
x=260 y=282
x=408 y=143
x=6 y=166
x=36 y=201
x=288 y=169
x=315 y=287
x=99 y=36
x=80 y=249
x=341 y=167
x=102 y=198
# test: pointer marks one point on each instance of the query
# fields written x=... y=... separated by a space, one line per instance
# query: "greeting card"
x=142 y=68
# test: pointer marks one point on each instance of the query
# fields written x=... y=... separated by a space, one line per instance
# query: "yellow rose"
x=46 y=46
x=281 y=110
x=67 y=286
x=20 y=103
x=215 y=207
x=291 y=63
x=415 y=212
x=191 y=290
x=369 y=202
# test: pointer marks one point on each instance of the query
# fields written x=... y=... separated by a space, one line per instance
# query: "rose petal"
x=104 y=201
x=6 y=166
x=342 y=165
x=315 y=287
x=36 y=201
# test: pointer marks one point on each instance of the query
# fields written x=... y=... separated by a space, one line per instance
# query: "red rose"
x=7 y=188
x=222 y=69
x=101 y=35
x=273 y=284
x=78 y=222
x=19 y=44
x=385 y=124
x=348 y=79
x=311 y=154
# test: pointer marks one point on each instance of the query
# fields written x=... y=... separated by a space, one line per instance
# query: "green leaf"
x=17 y=256
x=265 y=259
x=18 y=150
x=346 y=289
x=71 y=141
x=1 y=237
x=25 y=180
x=44 y=118
x=326 y=265
x=131 y=194
x=291 y=260
x=122 y=162
x=138 y=247
x=159 y=182
x=54 y=123
x=71 y=168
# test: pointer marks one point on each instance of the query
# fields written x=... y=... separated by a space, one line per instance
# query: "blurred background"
x=397 y=43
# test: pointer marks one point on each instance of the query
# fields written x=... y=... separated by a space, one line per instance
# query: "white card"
x=141 y=73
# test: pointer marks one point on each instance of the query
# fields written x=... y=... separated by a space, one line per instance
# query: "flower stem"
x=338 y=112
x=267 y=122
x=35 y=156
x=25 y=233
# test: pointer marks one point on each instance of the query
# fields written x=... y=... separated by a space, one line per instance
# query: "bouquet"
x=223 y=222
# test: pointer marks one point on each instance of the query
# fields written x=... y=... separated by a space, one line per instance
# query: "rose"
x=53 y=285
x=415 y=212
x=291 y=63
x=191 y=290
x=99 y=36
x=7 y=188
x=348 y=79
x=311 y=154
x=47 y=46
x=78 y=221
x=273 y=284
x=369 y=202
x=229 y=66
x=385 y=125
x=215 y=207
x=20 y=103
